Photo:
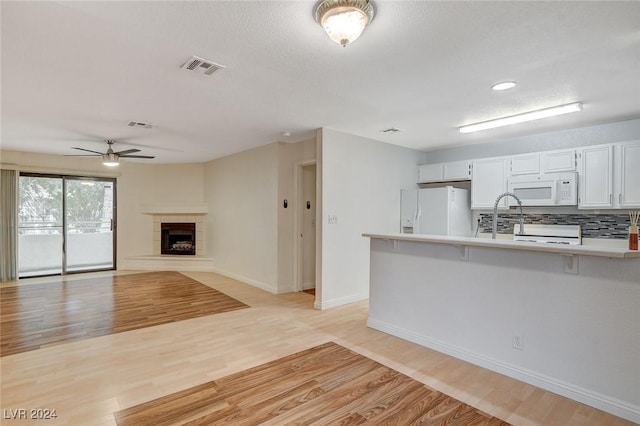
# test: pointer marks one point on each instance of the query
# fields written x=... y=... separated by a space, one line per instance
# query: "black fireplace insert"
x=178 y=238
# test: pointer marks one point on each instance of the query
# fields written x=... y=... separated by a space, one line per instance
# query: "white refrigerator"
x=436 y=211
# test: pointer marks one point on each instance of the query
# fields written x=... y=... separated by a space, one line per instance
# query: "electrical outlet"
x=333 y=219
x=518 y=342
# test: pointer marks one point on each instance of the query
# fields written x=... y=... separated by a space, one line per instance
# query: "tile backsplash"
x=614 y=226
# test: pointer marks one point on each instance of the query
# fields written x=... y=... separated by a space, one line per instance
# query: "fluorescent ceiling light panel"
x=521 y=118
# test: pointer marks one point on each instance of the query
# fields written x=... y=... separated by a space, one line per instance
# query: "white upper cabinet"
x=627 y=178
x=558 y=161
x=430 y=173
x=460 y=170
x=544 y=162
x=444 y=172
x=525 y=164
x=595 y=171
x=489 y=181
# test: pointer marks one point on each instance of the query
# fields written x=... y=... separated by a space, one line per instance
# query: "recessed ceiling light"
x=504 y=85
x=286 y=133
x=521 y=118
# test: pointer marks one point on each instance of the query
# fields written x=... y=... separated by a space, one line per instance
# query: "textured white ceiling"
x=74 y=73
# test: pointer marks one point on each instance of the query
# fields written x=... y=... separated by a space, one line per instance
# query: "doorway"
x=306 y=228
x=65 y=224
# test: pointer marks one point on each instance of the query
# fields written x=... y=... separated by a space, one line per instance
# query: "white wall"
x=593 y=135
x=361 y=182
x=289 y=157
x=250 y=232
x=242 y=228
x=181 y=183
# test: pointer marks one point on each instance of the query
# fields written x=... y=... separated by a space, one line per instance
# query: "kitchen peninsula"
x=563 y=318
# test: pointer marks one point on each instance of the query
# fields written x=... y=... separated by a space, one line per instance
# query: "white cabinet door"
x=558 y=161
x=488 y=182
x=595 y=177
x=525 y=164
x=430 y=173
x=460 y=170
x=628 y=173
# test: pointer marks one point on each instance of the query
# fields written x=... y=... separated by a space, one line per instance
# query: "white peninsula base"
x=573 y=331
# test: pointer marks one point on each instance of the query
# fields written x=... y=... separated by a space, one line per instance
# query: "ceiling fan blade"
x=127 y=151
x=88 y=150
x=136 y=156
x=82 y=155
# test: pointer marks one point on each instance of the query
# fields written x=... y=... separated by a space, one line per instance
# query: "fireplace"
x=178 y=238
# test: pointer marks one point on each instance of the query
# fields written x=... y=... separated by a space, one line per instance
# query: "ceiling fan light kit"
x=344 y=20
x=110 y=158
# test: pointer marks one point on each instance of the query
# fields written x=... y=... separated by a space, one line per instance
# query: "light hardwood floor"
x=87 y=381
x=40 y=315
x=327 y=384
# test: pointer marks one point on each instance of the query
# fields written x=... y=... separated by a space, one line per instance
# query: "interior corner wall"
x=290 y=155
x=361 y=182
x=185 y=183
x=242 y=225
x=619 y=131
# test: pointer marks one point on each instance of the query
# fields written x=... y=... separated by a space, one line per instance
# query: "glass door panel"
x=40 y=226
x=89 y=205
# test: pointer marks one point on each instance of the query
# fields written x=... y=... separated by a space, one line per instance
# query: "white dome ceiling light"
x=344 y=20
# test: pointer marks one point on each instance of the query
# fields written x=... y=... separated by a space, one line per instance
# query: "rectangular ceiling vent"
x=139 y=124
x=202 y=66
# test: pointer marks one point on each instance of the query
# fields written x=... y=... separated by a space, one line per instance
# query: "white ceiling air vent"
x=202 y=66
x=139 y=124
x=390 y=130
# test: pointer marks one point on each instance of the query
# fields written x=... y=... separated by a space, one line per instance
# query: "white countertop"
x=581 y=250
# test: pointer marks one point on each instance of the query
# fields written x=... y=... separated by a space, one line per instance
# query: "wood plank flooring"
x=86 y=381
x=35 y=316
x=327 y=384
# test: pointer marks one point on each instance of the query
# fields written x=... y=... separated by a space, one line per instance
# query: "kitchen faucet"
x=495 y=213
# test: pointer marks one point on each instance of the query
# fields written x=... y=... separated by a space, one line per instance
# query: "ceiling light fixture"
x=521 y=118
x=504 y=86
x=110 y=160
x=344 y=20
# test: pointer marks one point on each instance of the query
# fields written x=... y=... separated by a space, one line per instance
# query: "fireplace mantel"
x=175 y=208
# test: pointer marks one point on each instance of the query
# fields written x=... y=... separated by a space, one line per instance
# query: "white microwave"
x=550 y=189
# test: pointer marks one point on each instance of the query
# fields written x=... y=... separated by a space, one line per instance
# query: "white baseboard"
x=328 y=304
x=308 y=285
x=594 y=399
x=259 y=284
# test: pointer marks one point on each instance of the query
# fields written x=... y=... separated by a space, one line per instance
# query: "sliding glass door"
x=66 y=224
x=89 y=224
x=40 y=226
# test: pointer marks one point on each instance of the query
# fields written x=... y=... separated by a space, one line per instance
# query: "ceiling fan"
x=110 y=158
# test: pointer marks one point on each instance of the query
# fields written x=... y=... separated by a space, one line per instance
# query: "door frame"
x=114 y=221
x=298 y=209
